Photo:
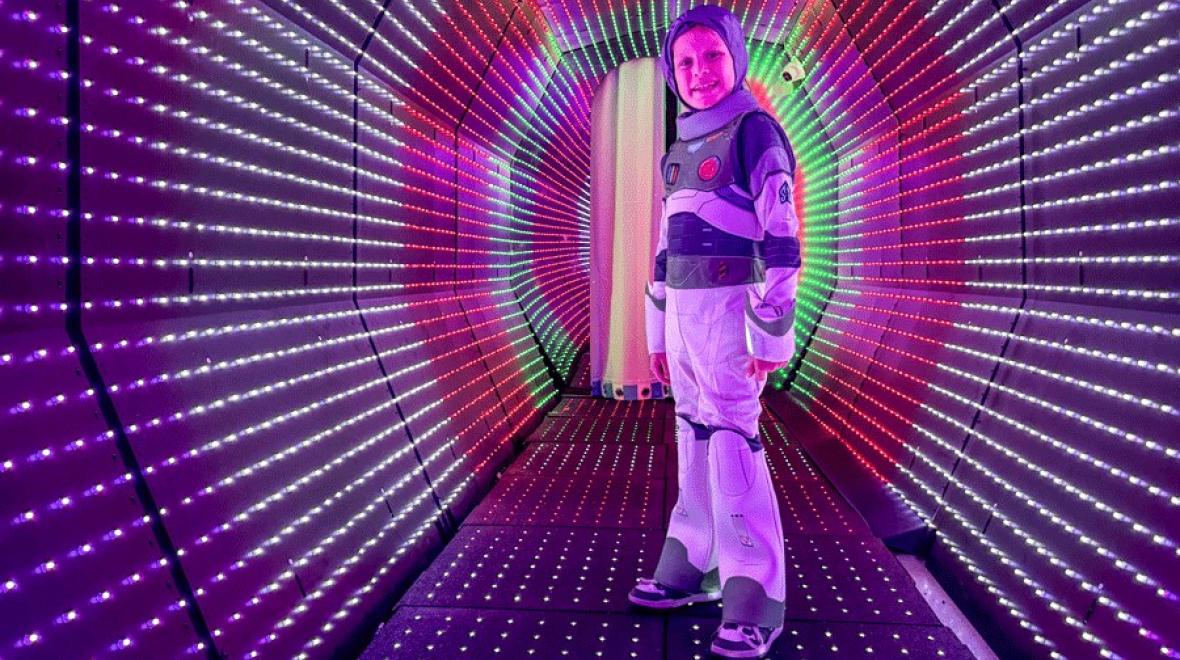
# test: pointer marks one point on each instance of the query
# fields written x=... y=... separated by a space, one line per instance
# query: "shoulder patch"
x=784 y=193
x=671 y=173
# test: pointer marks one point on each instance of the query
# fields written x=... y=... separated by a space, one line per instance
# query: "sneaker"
x=737 y=640
x=649 y=593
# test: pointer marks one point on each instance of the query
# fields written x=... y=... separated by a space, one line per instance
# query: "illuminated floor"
x=541 y=568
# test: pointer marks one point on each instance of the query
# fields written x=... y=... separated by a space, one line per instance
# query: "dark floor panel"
x=689 y=638
x=595 y=430
x=446 y=633
x=850 y=578
x=812 y=506
x=786 y=458
x=587 y=501
x=671 y=493
x=612 y=409
x=846 y=578
x=631 y=461
x=538 y=568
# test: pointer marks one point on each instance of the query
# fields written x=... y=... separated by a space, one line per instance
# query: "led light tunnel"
x=288 y=287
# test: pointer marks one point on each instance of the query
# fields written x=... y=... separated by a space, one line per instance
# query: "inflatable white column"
x=626 y=143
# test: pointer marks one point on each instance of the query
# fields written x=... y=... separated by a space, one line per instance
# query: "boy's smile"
x=704 y=67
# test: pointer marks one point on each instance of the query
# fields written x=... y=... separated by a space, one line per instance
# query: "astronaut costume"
x=724 y=290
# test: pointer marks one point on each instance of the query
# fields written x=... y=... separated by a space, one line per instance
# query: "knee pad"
x=735 y=461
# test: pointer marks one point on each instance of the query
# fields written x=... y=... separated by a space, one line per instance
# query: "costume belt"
x=709 y=271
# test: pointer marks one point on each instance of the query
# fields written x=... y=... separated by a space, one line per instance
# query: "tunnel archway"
x=287 y=284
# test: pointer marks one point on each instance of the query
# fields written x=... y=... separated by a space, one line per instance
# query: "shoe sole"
x=752 y=653
x=706 y=597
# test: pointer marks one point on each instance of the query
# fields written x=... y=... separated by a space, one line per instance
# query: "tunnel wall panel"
x=71 y=522
x=405 y=223
x=298 y=455
x=179 y=205
x=1034 y=322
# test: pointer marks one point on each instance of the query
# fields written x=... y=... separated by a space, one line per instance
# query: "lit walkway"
x=541 y=568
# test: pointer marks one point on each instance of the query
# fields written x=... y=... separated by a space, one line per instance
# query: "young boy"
x=719 y=319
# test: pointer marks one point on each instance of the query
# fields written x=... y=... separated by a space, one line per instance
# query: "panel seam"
x=77 y=336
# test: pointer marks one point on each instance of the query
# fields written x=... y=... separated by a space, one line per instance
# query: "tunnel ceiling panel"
x=335 y=25
x=255 y=206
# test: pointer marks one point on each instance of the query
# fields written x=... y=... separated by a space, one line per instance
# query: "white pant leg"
x=726 y=398
x=689 y=558
x=747 y=525
x=749 y=532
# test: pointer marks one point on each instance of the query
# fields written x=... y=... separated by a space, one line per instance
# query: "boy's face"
x=704 y=67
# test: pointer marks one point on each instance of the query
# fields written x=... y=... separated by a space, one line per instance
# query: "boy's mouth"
x=705 y=88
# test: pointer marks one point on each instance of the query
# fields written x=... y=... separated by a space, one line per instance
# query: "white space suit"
x=724 y=290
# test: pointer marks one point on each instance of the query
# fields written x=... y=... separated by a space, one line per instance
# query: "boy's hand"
x=756 y=367
x=659 y=367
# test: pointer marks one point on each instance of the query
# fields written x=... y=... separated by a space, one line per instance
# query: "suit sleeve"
x=770 y=305
x=656 y=293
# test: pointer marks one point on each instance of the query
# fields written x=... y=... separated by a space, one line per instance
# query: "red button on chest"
x=709 y=168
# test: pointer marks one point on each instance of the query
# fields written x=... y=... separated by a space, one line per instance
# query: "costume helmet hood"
x=721 y=21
